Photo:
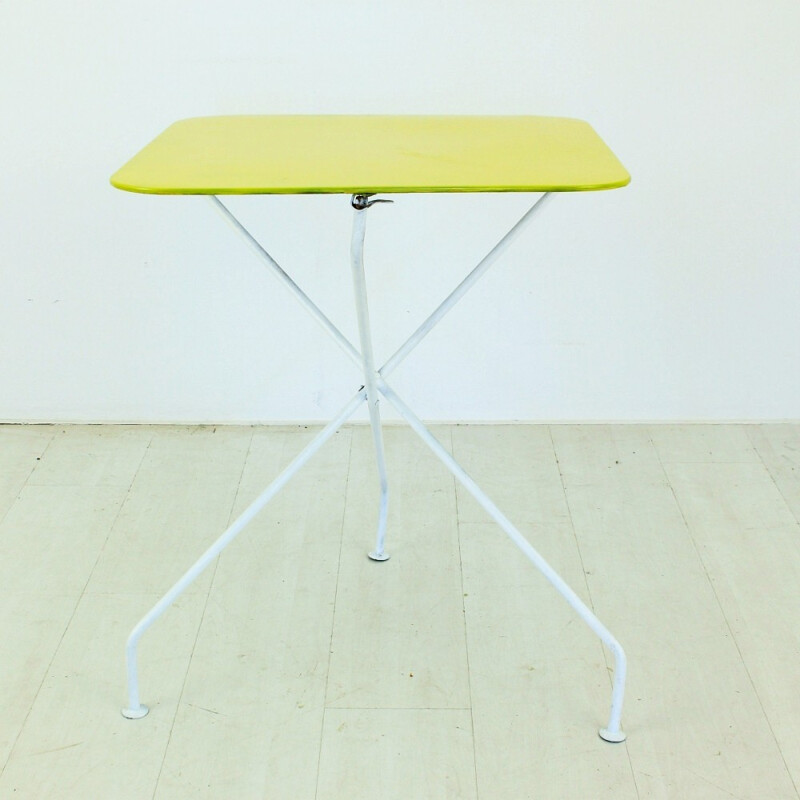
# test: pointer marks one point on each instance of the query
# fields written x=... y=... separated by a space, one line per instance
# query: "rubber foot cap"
x=379 y=556
x=612 y=736
x=135 y=713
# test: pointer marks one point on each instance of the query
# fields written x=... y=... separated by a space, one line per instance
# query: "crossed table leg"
x=375 y=385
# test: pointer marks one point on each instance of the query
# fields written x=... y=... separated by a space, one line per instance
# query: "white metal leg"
x=462 y=288
x=375 y=385
x=370 y=375
x=612 y=732
x=135 y=709
x=279 y=272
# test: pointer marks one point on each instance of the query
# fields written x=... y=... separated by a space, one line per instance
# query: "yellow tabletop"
x=371 y=154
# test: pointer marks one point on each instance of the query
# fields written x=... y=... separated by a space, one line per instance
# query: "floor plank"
x=398 y=637
x=695 y=725
x=250 y=718
x=33 y=624
x=75 y=743
x=538 y=678
x=749 y=543
x=396 y=754
x=92 y=455
x=296 y=667
x=703 y=444
x=178 y=504
x=779 y=449
x=51 y=537
x=21 y=448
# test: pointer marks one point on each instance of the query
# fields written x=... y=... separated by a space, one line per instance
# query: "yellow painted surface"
x=352 y=154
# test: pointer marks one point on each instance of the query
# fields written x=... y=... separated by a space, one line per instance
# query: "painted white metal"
x=461 y=289
x=135 y=709
x=279 y=272
x=370 y=375
x=375 y=385
x=612 y=732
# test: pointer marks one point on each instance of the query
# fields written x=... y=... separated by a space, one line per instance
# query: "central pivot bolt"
x=362 y=201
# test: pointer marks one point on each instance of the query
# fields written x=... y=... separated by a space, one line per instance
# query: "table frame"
x=375 y=386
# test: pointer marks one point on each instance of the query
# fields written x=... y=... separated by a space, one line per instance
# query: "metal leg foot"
x=612 y=736
x=135 y=713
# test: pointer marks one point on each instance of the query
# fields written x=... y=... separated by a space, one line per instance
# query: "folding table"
x=363 y=156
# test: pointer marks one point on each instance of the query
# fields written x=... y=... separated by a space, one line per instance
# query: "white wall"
x=675 y=298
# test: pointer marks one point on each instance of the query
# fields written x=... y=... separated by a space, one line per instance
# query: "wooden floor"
x=296 y=668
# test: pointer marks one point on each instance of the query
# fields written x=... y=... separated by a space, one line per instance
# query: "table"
x=363 y=156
